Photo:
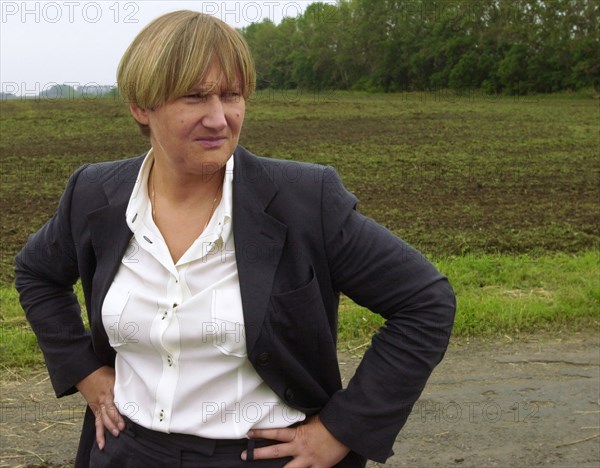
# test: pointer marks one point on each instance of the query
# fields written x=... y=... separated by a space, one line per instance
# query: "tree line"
x=511 y=46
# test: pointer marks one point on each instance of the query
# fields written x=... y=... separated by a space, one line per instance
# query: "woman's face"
x=196 y=133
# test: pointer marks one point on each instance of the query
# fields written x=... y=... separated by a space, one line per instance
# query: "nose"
x=215 y=114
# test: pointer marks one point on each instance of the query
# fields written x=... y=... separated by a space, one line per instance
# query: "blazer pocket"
x=298 y=298
x=299 y=317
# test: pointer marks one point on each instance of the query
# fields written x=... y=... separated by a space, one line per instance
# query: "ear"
x=140 y=114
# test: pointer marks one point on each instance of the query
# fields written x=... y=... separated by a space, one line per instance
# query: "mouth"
x=211 y=142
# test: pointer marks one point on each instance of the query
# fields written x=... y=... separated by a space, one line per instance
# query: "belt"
x=173 y=443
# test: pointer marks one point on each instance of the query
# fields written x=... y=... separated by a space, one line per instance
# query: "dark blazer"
x=299 y=243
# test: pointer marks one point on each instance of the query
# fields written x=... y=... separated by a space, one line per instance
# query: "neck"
x=182 y=208
x=183 y=189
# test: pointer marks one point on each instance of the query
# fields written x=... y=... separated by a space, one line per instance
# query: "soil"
x=449 y=177
x=520 y=402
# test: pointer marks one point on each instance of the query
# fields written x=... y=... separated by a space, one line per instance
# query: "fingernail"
x=116 y=433
x=250 y=433
x=243 y=455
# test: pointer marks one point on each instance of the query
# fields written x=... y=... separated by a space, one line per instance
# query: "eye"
x=231 y=96
x=196 y=97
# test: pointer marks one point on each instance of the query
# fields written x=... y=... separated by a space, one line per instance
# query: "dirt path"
x=534 y=402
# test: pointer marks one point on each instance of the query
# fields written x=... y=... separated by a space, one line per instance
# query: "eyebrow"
x=212 y=86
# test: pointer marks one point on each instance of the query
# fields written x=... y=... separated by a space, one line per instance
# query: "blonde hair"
x=173 y=53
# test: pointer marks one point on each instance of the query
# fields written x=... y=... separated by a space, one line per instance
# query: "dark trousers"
x=138 y=447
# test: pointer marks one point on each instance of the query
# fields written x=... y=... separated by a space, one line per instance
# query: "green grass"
x=18 y=345
x=500 y=295
x=497 y=295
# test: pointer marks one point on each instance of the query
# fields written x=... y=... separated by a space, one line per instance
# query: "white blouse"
x=178 y=330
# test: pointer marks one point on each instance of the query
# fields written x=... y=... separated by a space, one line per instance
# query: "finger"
x=281 y=435
x=99 y=430
x=108 y=414
x=114 y=415
x=297 y=462
x=271 y=452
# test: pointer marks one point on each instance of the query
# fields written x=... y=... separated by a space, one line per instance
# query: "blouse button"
x=162 y=415
x=164 y=315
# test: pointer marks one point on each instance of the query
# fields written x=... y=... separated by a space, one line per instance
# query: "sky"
x=43 y=43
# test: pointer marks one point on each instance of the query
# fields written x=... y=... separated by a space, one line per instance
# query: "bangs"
x=174 y=53
x=197 y=52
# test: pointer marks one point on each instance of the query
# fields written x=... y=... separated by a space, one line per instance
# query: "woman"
x=212 y=279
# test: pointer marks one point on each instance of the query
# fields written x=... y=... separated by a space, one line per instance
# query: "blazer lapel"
x=110 y=236
x=258 y=237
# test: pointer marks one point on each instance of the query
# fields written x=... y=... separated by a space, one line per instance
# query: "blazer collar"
x=108 y=227
x=110 y=235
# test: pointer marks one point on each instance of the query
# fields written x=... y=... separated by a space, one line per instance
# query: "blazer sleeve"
x=45 y=271
x=381 y=272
